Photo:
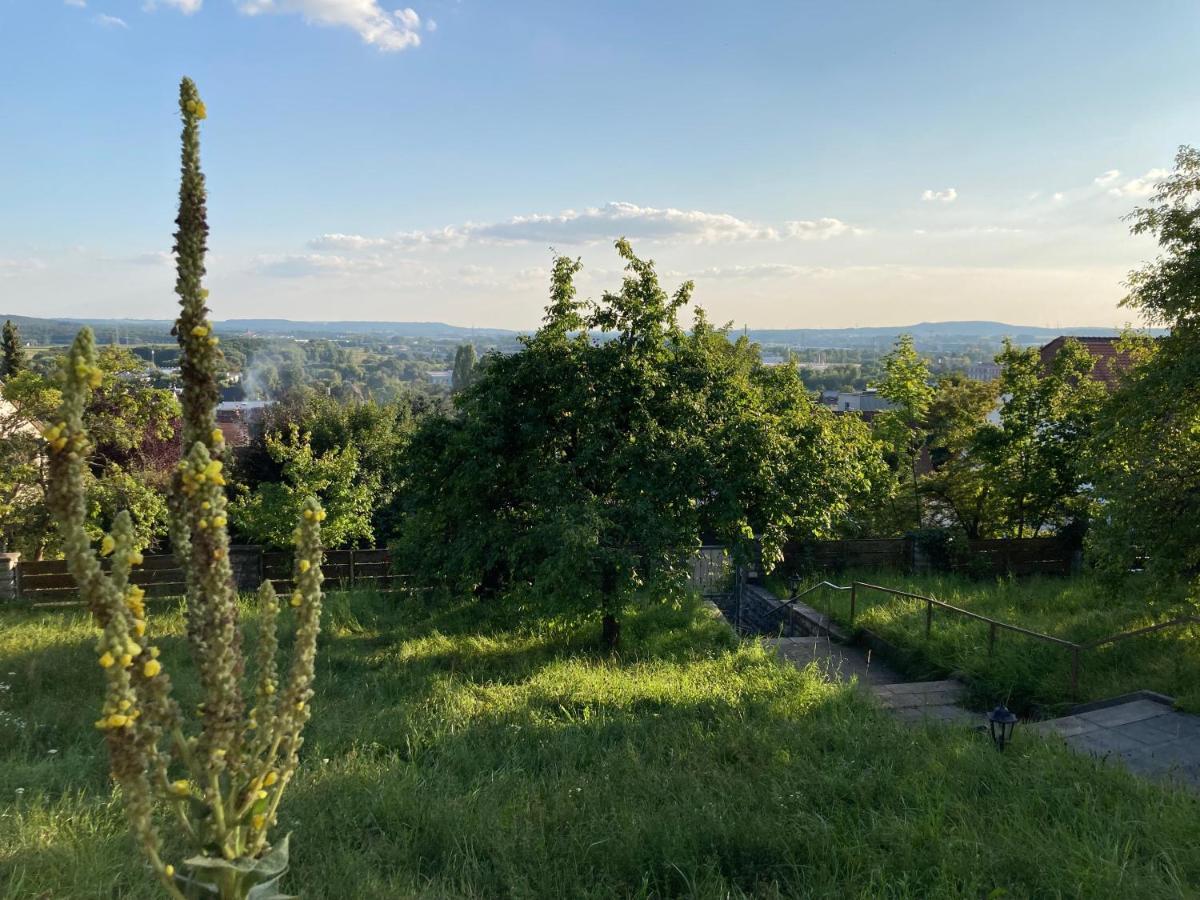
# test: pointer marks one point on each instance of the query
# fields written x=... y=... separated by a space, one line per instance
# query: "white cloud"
x=596 y=224
x=1107 y=178
x=949 y=195
x=389 y=31
x=9 y=267
x=1058 y=196
x=307 y=264
x=187 y=7
x=78 y=4
x=821 y=229
x=1140 y=187
x=762 y=271
x=109 y=21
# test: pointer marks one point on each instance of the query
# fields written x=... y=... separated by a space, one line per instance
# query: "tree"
x=1147 y=440
x=268 y=514
x=12 y=351
x=591 y=467
x=464 y=367
x=960 y=490
x=901 y=429
x=1036 y=455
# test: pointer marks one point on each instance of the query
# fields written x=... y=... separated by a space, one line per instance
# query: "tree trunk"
x=610 y=634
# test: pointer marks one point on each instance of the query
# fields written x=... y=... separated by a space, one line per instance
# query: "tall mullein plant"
x=219 y=773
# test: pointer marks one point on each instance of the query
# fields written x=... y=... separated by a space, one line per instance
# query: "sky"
x=808 y=165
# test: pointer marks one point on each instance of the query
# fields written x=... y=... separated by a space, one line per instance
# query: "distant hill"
x=928 y=335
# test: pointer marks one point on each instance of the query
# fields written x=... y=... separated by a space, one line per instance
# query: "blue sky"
x=807 y=164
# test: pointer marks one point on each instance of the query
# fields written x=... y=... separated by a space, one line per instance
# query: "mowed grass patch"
x=1024 y=671
x=461 y=750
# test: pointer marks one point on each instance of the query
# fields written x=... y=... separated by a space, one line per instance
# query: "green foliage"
x=960 y=490
x=462 y=750
x=268 y=515
x=901 y=429
x=1036 y=457
x=464 y=368
x=1147 y=441
x=593 y=467
x=12 y=352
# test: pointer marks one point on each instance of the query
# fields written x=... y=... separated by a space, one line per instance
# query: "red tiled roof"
x=1111 y=362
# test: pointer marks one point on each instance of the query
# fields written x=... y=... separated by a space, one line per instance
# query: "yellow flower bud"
x=213 y=341
x=169 y=870
x=116 y=720
x=136 y=558
x=139 y=627
x=106 y=660
x=297 y=599
x=218 y=436
x=262 y=795
x=259 y=821
x=154 y=651
x=200 y=330
x=152 y=668
x=308 y=514
x=271 y=778
x=305 y=565
x=126 y=661
x=321 y=515
x=107 y=545
x=218 y=522
x=180 y=787
x=203 y=523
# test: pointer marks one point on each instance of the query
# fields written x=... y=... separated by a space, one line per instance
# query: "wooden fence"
x=1003 y=556
x=161 y=576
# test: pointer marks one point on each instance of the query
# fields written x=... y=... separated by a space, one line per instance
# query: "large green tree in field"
x=591 y=467
x=1035 y=457
x=901 y=429
x=1146 y=452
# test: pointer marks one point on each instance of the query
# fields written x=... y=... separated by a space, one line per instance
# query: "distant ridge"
x=926 y=334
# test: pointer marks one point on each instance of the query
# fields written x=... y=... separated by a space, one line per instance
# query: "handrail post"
x=1075 y=673
x=928 y=618
x=853 y=599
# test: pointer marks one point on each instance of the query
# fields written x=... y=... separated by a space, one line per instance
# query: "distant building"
x=868 y=401
x=1111 y=361
x=242 y=410
x=984 y=371
x=442 y=376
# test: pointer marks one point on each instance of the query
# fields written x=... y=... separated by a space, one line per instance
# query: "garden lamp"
x=1001 y=722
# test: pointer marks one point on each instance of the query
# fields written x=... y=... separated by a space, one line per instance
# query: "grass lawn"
x=1023 y=670
x=462 y=751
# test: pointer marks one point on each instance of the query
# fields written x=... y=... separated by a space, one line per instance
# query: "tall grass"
x=486 y=751
x=1024 y=671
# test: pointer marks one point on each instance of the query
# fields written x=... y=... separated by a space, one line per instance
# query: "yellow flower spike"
x=308 y=514
x=262 y=795
x=116 y=720
x=259 y=821
x=200 y=331
x=136 y=559
x=201 y=110
x=297 y=599
x=218 y=436
x=300 y=706
x=152 y=668
x=106 y=660
x=107 y=545
x=321 y=515
x=126 y=661
x=218 y=522
x=58 y=444
x=139 y=627
x=133 y=649
x=304 y=565
x=271 y=778
x=169 y=870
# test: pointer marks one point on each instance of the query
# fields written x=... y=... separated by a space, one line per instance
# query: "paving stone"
x=1124 y=713
x=1145 y=732
x=1067 y=726
x=1104 y=742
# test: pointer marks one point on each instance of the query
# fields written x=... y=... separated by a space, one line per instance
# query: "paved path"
x=1147 y=736
x=911 y=701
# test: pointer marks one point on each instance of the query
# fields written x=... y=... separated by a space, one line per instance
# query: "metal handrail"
x=994 y=625
x=796 y=597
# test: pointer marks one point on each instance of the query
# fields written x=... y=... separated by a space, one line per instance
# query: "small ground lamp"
x=1001 y=722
